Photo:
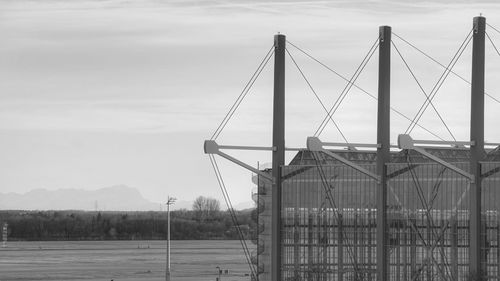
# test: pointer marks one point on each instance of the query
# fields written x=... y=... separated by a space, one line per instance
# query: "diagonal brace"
x=211 y=147
x=406 y=142
x=315 y=144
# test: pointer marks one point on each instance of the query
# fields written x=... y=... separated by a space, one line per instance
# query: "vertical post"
x=5 y=232
x=219 y=273
x=477 y=152
x=167 y=275
x=383 y=153
x=428 y=249
x=310 y=245
x=340 y=247
x=355 y=239
x=405 y=245
x=413 y=248
x=170 y=201
x=278 y=153
x=370 y=243
x=444 y=259
x=397 y=246
x=454 y=247
x=355 y=247
x=296 y=246
x=498 y=249
x=326 y=244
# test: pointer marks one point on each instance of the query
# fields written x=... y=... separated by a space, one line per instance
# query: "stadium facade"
x=424 y=210
x=329 y=213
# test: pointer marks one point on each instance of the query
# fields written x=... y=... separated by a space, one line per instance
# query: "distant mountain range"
x=114 y=198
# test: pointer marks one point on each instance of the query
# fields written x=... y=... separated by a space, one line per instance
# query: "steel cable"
x=494 y=28
x=243 y=94
x=359 y=88
x=235 y=219
x=337 y=215
x=233 y=216
x=222 y=186
x=228 y=202
x=442 y=65
x=422 y=89
x=430 y=221
x=316 y=95
x=348 y=87
x=492 y=43
x=440 y=82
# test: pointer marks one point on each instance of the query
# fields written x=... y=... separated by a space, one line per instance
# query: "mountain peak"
x=113 y=198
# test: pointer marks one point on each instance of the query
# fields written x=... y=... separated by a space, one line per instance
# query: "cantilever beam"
x=211 y=147
x=406 y=142
x=315 y=144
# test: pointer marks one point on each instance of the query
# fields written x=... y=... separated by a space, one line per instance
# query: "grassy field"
x=121 y=260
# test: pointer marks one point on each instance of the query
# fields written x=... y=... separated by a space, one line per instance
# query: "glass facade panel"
x=329 y=222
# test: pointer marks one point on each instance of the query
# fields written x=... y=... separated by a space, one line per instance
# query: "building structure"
x=329 y=213
x=424 y=210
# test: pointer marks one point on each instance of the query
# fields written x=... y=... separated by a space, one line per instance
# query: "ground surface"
x=122 y=260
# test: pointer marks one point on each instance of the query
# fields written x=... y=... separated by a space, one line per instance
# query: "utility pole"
x=170 y=201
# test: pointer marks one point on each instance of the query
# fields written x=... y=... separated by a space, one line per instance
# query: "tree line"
x=197 y=224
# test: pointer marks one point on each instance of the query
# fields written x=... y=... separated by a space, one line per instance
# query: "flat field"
x=122 y=260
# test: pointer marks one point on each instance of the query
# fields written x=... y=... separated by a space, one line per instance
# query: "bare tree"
x=206 y=207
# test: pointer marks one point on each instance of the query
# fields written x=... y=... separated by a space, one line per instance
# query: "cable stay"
x=229 y=205
x=442 y=65
x=359 y=88
x=336 y=210
x=243 y=93
x=428 y=207
x=440 y=82
x=494 y=28
x=316 y=95
x=348 y=87
x=422 y=89
x=413 y=223
x=492 y=43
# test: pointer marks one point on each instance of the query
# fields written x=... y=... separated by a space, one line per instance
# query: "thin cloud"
x=153 y=74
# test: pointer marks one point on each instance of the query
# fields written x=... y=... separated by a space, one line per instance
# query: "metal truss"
x=406 y=142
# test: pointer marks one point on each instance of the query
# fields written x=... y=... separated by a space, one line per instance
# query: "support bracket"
x=406 y=142
x=211 y=147
x=315 y=144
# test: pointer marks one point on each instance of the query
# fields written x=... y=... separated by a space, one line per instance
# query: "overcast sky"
x=97 y=93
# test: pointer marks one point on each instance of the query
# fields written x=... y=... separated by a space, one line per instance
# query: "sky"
x=95 y=93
